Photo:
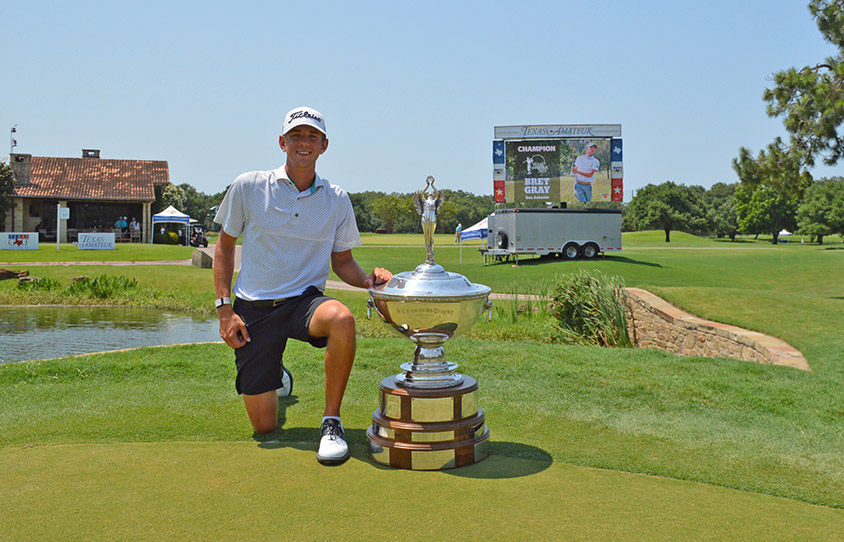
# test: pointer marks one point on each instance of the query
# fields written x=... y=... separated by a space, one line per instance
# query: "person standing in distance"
x=293 y=224
x=583 y=169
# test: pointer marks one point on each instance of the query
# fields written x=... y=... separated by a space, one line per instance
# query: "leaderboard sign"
x=534 y=165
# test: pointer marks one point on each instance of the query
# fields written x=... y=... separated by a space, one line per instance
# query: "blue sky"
x=407 y=89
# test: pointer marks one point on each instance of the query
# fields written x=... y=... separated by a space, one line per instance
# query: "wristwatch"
x=222 y=301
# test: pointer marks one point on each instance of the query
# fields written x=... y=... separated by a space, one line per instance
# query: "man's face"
x=303 y=145
x=590 y=150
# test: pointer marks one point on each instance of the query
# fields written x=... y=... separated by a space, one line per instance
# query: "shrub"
x=590 y=308
x=38 y=284
x=166 y=238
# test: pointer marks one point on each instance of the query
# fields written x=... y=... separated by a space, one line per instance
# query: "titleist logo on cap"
x=299 y=116
x=307 y=114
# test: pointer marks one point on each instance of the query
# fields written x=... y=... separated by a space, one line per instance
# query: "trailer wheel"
x=502 y=240
x=571 y=251
x=590 y=250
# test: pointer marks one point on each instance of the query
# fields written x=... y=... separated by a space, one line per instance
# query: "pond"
x=50 y=332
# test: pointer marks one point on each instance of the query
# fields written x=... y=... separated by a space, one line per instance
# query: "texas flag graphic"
x=616 y=148
x=498 y=152
x=498 y=191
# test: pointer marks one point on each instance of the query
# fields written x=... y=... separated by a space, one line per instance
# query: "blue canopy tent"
x=171 y=214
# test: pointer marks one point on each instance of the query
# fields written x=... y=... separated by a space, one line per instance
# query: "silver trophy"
x=429 y=306
x=429 y=417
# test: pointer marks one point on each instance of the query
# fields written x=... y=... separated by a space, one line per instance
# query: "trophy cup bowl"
x=429 y=306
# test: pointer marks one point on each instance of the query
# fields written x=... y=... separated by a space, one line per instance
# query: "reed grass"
x=590 y=308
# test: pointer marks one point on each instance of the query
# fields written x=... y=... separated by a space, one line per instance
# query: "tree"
x=366 y=219
x=196 y=203
x=470 y=209
x=721 y=210
x=822 y=209
x=392 y=207
x=779 y=168
x=811 y=102
x=771 y=186
x=448 y=210
x=173 y=195
x=811 y=99
x=7 y=188
x=764 y=210
x=667 y=206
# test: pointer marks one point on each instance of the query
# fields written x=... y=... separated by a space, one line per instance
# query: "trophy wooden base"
x=428 y=429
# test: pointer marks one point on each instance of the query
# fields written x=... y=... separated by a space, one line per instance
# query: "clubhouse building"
x=98 y=192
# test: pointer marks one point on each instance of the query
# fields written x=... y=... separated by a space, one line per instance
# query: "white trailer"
x=568 y=233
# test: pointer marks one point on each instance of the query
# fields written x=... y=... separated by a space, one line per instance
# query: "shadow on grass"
x=737 y=241
x=546 y=260
x=281 y=436
x=622 y=259
x=507 y=460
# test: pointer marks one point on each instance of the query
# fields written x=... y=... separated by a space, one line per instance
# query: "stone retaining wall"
x=657 y=324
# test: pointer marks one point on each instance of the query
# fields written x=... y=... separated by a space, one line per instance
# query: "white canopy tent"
x=172 y=215
x=478 y=231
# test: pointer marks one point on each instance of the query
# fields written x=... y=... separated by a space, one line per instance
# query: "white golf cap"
x=591 y=144
x=303 y=115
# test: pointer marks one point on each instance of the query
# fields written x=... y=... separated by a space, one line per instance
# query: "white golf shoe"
x=333 y=449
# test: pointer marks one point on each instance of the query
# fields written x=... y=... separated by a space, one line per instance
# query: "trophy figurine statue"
x=429 y=417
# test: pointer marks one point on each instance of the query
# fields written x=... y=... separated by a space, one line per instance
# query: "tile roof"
x=94 y=179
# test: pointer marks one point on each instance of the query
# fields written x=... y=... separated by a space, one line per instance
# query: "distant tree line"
x=374 y=211
x=395 y=213
x=726 y=210
x=752 y=207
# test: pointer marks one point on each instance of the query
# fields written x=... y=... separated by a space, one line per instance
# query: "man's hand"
x=232 y=328
x=378 y=277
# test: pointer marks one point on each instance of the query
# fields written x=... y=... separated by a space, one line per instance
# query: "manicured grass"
x=123 y=252
x=221 y=490
x=760 y=429
x=121 y=425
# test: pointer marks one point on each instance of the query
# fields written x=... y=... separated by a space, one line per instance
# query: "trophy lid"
x=429 y=282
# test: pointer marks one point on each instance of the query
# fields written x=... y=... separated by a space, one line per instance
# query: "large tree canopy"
x=667 y=206
x=778 y=168
x=811 y=102
x=764 y=210
x=721 y=210
x=391 y=208
x=822 y=210
x=811 y=99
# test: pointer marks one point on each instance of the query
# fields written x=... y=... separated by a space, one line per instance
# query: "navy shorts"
x=259 y=361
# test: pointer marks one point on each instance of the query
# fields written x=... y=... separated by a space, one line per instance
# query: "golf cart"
x=197 y=236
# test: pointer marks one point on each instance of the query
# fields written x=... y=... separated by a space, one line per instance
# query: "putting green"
x=236 y=490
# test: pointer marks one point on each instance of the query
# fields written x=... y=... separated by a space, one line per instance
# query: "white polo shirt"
x=587 y=164
x=288 y=236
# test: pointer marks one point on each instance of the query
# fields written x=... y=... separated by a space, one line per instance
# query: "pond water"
x=28 y=333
